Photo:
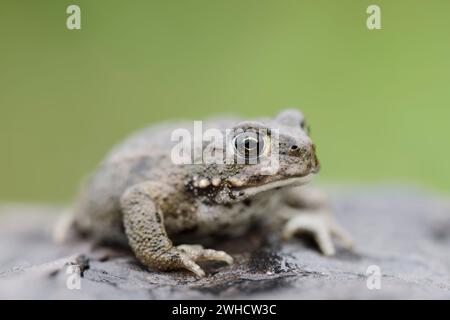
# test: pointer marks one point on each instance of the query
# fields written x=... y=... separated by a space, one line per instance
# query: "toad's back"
x=143 y=156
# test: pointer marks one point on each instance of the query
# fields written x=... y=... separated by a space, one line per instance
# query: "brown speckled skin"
x=138 y=196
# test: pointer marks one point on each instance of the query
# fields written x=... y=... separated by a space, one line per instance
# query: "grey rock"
x=404 y=232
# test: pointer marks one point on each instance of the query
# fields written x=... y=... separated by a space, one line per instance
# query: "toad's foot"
x=322 y=226
x=186 y=257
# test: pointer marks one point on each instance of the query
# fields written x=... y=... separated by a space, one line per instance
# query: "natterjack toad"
x=141 y=196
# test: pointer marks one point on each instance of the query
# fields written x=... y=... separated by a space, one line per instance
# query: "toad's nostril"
x=298 y=150
x=302 y=151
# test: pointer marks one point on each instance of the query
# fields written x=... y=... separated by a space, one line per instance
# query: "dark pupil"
x=249 y=145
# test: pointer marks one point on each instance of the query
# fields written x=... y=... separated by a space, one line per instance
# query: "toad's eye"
x=305 y=127
x=302 y=124
x=249 y=145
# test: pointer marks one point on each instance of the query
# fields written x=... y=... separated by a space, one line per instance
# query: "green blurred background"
x=377 y=101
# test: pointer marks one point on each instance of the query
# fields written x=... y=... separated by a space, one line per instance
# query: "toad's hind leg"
x=103 y=228
x=144 y=227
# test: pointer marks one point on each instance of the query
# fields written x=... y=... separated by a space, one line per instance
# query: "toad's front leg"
x=144 y=227
x=306 y=211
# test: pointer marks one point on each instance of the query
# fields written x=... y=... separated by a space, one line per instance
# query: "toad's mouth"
x=293 y=181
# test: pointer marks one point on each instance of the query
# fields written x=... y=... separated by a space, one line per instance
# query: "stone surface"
x=405 y=232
